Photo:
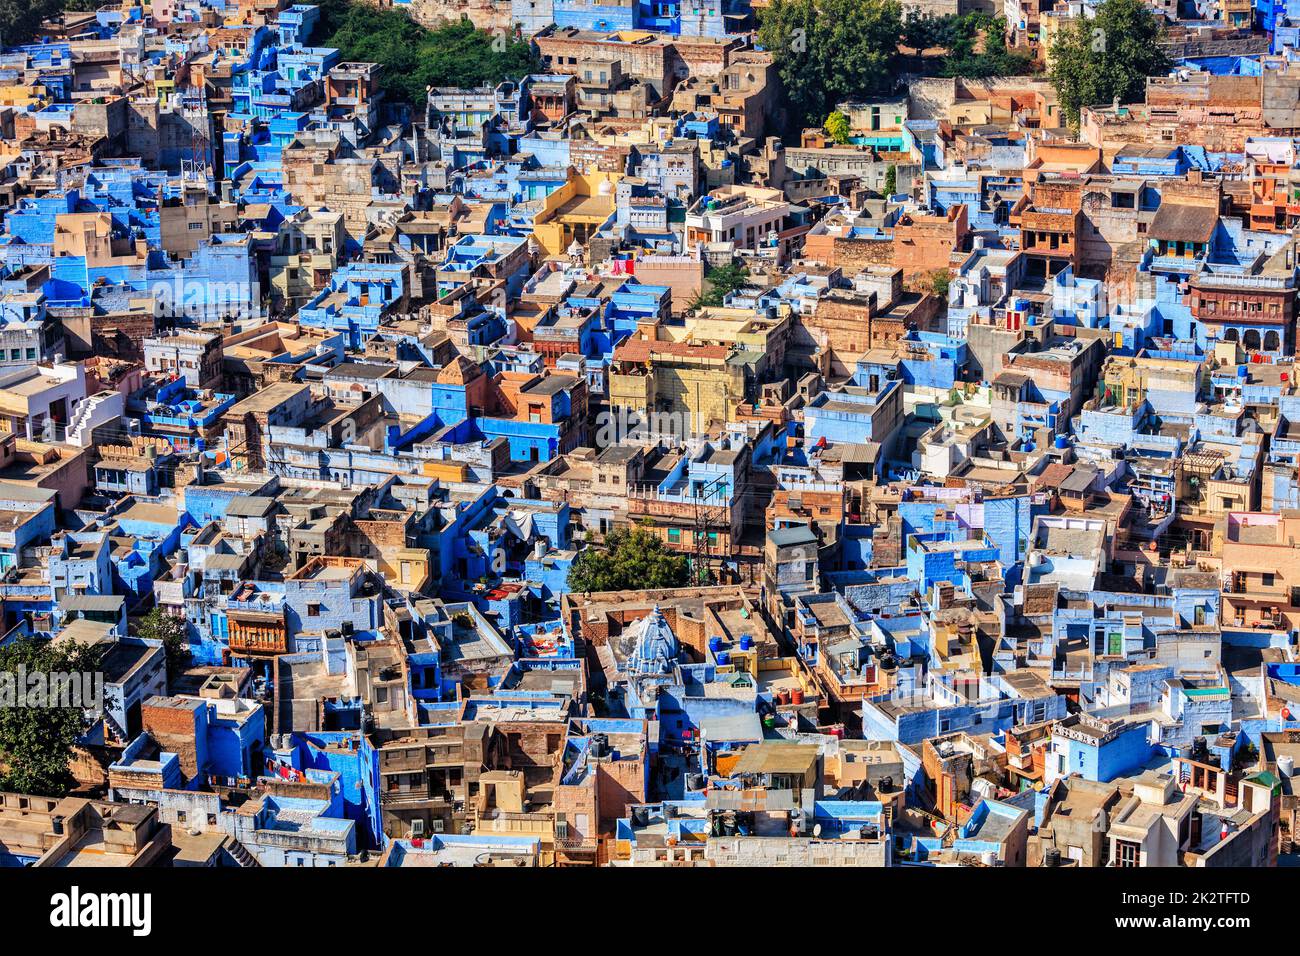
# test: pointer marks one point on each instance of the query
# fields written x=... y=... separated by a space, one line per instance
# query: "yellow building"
x=679 y=387
x=1126 y=380
x=574 y=212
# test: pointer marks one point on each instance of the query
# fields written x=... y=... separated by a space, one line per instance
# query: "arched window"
x=1251 y=339
x=1271 y=341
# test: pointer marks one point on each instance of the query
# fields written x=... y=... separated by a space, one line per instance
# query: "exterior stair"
x=240 y=854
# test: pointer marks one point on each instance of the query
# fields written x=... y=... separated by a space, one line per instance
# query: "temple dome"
x=657 y=650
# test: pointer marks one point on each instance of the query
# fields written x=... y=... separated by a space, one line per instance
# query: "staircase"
x=113 y=731
x=78 y=432
x=240 y=854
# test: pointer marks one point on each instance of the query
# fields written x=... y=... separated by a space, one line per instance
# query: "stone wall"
x=485 y=14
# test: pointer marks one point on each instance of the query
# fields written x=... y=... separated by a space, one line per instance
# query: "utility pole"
x=704 y=516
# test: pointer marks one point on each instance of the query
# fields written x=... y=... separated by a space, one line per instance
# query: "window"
x=313 y=610
x=1267 y=579
x=1127 y=854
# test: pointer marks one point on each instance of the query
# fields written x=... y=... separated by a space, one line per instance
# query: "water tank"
x=746 y=642
x=1285 y=765
x=724 y=658
x=1062 y=441
x=715 y=644
x=1243 y=372
x=1052 y=857
x=988 y=858
x=796 y=697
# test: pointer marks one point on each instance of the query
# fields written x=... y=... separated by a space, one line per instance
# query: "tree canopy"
x=828 y=51
x=36 y=742
x=159 y=626
x=632 y=559
x=976 y=45
x=720 y=282
x=415 y=57
x=19 y=20
x=837 y=127
x=1096 y=61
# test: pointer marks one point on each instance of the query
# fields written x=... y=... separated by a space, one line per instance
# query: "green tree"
x=837 y=127
x=827 y=51
x=977 y=48
x=925 y=31
x=19 y=21
x=157 y=625
x=36 y=742
x=1096 y=61
x=632 y=559
x=891 y=180
x=721 y=281
x=415 y=57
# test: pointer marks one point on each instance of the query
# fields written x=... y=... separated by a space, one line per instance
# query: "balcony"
x=1173 y=264
x=1241 y=588
x=412 y=796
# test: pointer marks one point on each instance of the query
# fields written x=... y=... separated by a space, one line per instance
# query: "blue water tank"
x=1243 y=372
x=724 y=657
x=715 y=644
x=746 y=642
x=1062 y=441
